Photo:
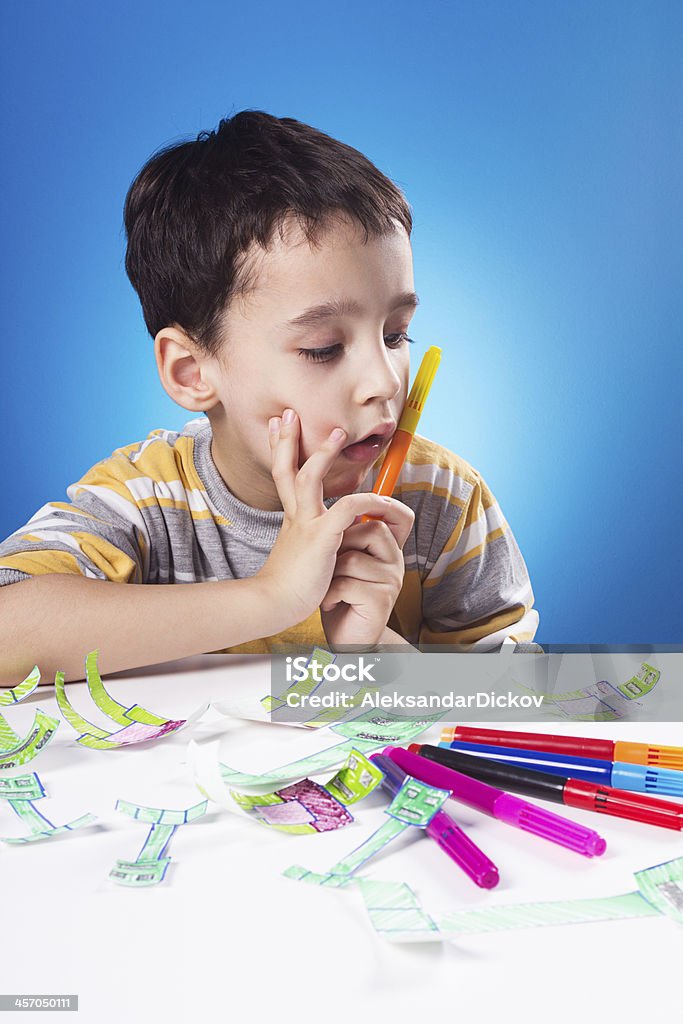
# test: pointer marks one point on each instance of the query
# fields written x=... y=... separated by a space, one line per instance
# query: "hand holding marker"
x=407 y=425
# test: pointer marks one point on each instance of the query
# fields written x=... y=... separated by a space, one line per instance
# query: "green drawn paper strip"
x=21 y=690
x=355 y=779
x=641 y=683
x=394 y=907
x=22 y=787
x=386 y=728
x=30 y=815
x=352 y=783
x=149 y=868
x=330 y=715
x=43 y=729
x=395 y=911
x=662 y=886
x=82 y=822
x=19 y=792
x=415 y=804
x=72 y=716
x=365 y=735
x=158 y=838
x=161 y=816
x=377 y=841
x=8 y=737
x=138 y=873
x=117 y=712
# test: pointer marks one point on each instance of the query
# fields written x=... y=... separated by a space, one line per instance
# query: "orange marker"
x=407 y=425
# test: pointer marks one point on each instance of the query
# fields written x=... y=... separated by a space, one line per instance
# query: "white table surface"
x=226 y=934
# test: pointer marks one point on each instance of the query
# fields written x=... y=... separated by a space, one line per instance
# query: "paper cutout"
x=415 y=804
x=303 y=807
x=396 y=913
x=149 y=867
x=138 y=724
x=364 y=735
x=307 y=806
x=20 y=792
x=41 y=732
x=15 y=750
x=21 y=690
x=304 y=686
x=614 y=702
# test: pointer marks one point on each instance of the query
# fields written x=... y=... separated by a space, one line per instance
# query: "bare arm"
x=55 y=619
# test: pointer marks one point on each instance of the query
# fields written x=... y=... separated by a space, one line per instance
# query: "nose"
x=378 y=376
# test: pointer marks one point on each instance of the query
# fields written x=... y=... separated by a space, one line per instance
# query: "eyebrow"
x=345 y=307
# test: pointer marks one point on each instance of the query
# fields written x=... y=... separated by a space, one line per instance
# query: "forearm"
x=54 y=620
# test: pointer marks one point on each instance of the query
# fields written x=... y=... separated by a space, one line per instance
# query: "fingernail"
x=288 y=416
x=274 y=424
x=337 y=434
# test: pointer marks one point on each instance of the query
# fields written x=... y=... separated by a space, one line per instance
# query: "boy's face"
x=349 y=370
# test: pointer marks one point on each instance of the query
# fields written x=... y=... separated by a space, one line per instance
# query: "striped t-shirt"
x=159 y=512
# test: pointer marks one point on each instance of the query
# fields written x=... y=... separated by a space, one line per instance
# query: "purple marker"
x=444 y=831
x=503 y=806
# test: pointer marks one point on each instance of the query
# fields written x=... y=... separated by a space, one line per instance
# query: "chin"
x=347 y=485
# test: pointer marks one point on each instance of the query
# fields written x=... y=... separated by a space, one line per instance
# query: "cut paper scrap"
x=308 y=807
x=415 y=804
x=311 y=678
x=364 y=734
x=306 y=684
x=39 y=735
x=137 y=724
x=304 y=807
x=149 y=867
x=21 y=690
x=397 y=915
x=20 y=792
x=600 y=701
x=14 y=749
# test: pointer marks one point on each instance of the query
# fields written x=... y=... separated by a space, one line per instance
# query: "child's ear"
x=184 y=370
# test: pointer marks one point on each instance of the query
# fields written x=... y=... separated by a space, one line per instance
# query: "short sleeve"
x=476 y=591
x=99 y=533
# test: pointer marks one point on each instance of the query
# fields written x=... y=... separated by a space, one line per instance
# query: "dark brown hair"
x=196 y=208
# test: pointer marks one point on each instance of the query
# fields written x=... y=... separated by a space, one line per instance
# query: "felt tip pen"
x=618 y=803
x=577 y=746
x=634 y=777
x=444 y=831
x=407 y=425
x=498 y=804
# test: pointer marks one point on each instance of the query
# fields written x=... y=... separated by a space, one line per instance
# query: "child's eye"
x=326 y=355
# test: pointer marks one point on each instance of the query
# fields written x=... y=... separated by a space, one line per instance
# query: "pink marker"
x=498 y=804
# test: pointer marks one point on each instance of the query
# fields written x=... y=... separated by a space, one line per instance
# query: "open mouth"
x=369 y=447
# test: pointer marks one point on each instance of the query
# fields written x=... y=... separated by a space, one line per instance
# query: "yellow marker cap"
x=420 y=389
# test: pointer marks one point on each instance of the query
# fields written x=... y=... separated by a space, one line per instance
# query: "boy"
x=274 y=269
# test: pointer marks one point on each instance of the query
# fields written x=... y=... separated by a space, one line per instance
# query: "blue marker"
x=635 y=777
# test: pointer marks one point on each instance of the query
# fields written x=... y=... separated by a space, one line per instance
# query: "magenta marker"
x=498 y=804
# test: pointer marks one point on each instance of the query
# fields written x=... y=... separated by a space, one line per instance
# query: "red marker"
x=577 y=746
x=589 y=796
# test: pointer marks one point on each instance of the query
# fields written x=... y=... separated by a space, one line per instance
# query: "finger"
x=354 y=592
x=309 y=480
x=375 y=538
x=284 y=447
x=362 y=566
x=397 y=516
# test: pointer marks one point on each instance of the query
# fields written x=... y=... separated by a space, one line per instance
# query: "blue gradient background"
x=539 y=144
